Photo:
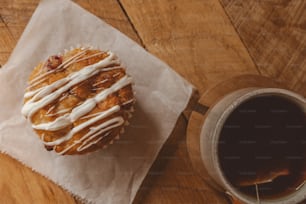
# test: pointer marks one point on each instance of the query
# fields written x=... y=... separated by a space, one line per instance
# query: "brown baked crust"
x=77 y=95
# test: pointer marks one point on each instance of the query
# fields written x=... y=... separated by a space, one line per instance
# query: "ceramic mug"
x=273 y=178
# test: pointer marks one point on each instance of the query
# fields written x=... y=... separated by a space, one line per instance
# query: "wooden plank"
x=14 y=16
x=194 y=37
x=6 y=42
x=19 y=184
x=274 y=33
x=172 y=178
x=111 y=12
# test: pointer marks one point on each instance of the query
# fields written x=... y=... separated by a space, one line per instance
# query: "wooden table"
x=206 y=41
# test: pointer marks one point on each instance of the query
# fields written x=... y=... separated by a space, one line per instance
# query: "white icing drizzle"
x=85 y=144
x=94 y=55
x=84 y=108
x=97 y=131
x=65 y=64
x=97 y=89
x=117 y=74
x=45 y=95
x=112 y=68
x=80 y=127
x=42 y=136
x=32 y=93
x=59 y=112
x=50 y=109
x=51 y=92
x=127 y=102
x=94 y=132
x=72 y=60
x=63 y=97
x=90 y=116
x=42 y=70
x=40 y=78
x=36 y=83
x=100 y=82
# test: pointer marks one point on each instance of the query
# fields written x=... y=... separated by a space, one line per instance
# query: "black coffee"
x=263 y=141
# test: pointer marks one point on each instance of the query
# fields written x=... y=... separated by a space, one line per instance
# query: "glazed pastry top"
x=83 y=77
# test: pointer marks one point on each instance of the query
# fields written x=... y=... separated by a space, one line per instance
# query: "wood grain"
x=198 y=40
x=194 y=37
x=14 y=16
x=19 y=184
x=274 y=32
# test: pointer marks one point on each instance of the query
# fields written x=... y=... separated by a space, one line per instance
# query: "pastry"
x=79 y=101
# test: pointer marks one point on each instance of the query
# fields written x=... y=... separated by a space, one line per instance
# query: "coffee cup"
x=253 y=145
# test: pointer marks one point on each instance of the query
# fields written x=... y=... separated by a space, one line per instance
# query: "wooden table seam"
x=240 y=38
x=131 y=23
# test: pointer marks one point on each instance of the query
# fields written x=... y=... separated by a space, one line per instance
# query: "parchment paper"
x=112 y=175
